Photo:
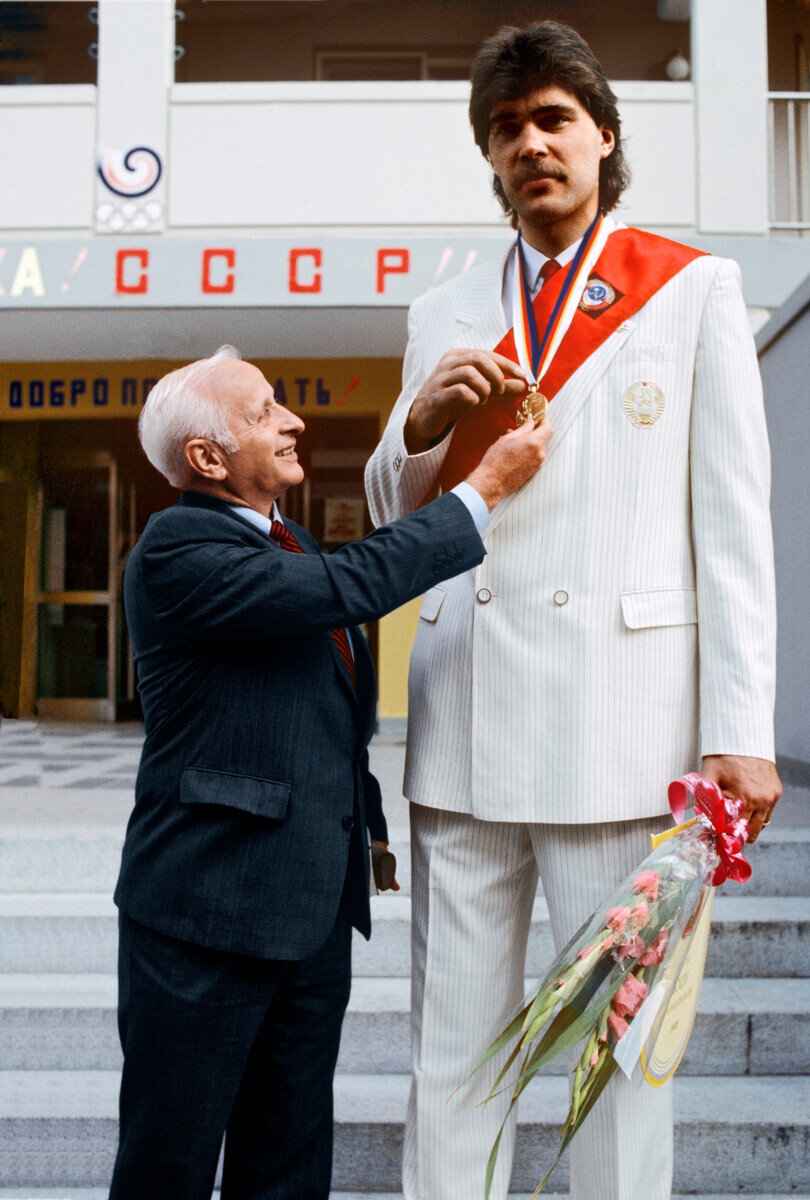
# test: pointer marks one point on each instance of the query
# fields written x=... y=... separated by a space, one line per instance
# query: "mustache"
x=531 y=175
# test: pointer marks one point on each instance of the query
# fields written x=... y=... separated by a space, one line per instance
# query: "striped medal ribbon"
x=535 y=355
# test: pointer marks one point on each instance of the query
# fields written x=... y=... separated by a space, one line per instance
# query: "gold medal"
x=534 y=405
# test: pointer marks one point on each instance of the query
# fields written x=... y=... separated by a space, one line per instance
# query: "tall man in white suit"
x=621 y=629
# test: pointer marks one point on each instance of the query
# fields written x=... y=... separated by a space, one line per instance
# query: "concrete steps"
x=68 y=932
x=76 y=855
x=763 y=1132
x=742 y=1093
x=751 y=1027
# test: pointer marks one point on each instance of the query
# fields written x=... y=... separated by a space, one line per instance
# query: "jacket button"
x=560 y=598
x=483 y=595
x=347 y=823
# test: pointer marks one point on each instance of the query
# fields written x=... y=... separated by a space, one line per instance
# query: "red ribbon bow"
x=730 y=829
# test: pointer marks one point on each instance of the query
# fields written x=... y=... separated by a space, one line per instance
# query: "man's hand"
x=381 y=848
x=462 y=380
x=510 y=462
x=752 y=780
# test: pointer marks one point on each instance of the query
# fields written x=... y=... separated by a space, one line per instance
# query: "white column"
x=135 y=72
x=730 y=75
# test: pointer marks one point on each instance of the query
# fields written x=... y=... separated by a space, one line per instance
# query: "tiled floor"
x=68 y=756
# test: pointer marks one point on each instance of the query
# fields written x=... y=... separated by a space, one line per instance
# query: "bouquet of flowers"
x=603 y=981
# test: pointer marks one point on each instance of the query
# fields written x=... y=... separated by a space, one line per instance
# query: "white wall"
x=785 y=366
x=730 y=74
x=341 y=155
x=47 y=156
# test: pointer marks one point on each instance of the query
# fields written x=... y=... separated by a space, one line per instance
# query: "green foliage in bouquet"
x=599 y=982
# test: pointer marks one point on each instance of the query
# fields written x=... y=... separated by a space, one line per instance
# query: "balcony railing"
x=789 y=151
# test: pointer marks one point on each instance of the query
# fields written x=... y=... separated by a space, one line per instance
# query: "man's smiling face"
x=546 y=150
x=266 y=463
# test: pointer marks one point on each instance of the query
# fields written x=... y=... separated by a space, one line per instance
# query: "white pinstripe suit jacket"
x=526 y=709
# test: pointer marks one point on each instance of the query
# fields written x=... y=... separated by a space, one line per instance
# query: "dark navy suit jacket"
x=255 y=760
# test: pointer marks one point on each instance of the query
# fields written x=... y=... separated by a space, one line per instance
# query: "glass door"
x=78 y=617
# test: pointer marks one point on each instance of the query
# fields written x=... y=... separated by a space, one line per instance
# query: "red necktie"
x=548 y=269
x=543 y=303
x=288 y=541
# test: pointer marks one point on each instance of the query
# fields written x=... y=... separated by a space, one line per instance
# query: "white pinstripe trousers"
x=474 y=883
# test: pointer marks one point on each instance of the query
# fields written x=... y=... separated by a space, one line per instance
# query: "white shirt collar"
x=259 y=519
x=536 y=260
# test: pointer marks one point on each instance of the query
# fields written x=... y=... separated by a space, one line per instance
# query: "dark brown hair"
x=547 y=54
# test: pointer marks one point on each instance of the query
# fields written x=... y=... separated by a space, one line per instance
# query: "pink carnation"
x=655 y=951
x=630 y=997
x=617 y=1026
x=632 y=949
x=594 y=1058
x=617 y=918
x=640 y=914
x=647 y=884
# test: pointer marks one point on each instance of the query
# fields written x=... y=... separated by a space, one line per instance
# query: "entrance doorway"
x=92 y=504
x=89 y=522
x=94 y=495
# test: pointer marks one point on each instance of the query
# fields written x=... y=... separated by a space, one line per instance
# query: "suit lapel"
x=569 y=401
x=305 y=540
x=579 y=387
x=365 y=692
x=480 y=317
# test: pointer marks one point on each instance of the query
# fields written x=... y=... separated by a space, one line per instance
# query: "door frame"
x=77 y=708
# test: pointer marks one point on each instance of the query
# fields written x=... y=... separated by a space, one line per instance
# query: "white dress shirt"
x=535 y=261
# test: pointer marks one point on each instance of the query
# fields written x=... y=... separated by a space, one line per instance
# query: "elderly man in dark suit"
x=245 y=863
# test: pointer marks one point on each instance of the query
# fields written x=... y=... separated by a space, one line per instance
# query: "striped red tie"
x=288 y=541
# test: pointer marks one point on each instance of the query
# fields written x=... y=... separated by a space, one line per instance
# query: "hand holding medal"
x=462 y=380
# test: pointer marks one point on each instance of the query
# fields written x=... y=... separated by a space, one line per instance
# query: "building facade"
x=287 y=176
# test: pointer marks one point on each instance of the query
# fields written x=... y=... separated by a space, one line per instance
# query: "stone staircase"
x=742 y=1094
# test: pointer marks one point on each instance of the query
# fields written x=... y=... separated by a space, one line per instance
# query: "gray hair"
x=180 y=407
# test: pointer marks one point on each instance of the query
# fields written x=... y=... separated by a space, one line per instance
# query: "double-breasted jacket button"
x=483 y=595
x=560 y=597
x=347 y=823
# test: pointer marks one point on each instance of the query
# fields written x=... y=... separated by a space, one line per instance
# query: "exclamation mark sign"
x=352 y=385
x=80 y=257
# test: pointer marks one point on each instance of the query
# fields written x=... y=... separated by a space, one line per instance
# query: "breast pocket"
x=659 y=607
x=651 y=352
x=646 y=384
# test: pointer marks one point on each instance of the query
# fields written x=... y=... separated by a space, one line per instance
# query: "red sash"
x=635 y=264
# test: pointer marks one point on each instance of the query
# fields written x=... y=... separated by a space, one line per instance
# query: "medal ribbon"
x=534 y=355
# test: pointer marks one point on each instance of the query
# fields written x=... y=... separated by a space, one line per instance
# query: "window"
x=369 y=63
x=48 y=43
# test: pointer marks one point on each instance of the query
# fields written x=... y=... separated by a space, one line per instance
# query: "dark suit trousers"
x=224 y=1043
